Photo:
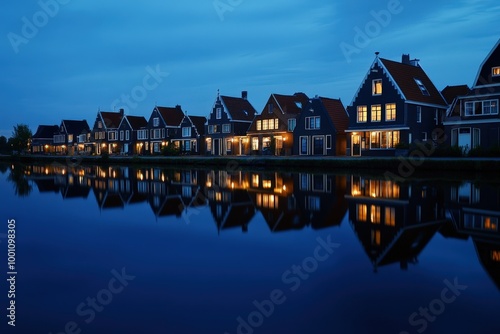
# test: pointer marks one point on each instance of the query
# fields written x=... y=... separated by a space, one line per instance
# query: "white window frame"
x=379 y=114
x=122 y=133
x=127 y=135
x=258 y=125
x=387 y=118
x=226 y=128
x=156 y=121
x=186 y=131
x=375 y=86
x=419 y=114
x=422 y=87
x=328 y=143
x=210 y=129
x=292 y=123
x=307 y=145
x=255 y=144
x=364 y=110
x=112 y=135
x=218 y=113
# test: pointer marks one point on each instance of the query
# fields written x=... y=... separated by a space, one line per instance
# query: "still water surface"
x=155 y=250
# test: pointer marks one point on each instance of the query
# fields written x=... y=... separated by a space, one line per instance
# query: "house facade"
x=227 y=126
x=190 y=138
x=164 y=124
x=104 y=135
x=320 y=128
x=72 y=138
x=42 y=140
x=473 y=120
x=271 y=132
x=128 y=132
x=396 y=105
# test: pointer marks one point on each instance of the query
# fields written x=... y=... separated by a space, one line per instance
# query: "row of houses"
x=396 y=105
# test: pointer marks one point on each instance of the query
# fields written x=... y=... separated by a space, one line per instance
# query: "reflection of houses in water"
x=321 y=199
x=228 y=199
x=69 y=181
x=273 y=195
x=106 y=187
x=474 y=211
x=393 y=221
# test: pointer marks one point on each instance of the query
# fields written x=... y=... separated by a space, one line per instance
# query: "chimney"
x=405 y=59
x=244 y=95
x=122 y=112
x=414 y=62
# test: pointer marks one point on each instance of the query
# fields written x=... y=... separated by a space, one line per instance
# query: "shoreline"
x=402 y=165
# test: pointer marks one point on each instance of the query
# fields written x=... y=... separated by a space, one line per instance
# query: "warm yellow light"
x=209 y=184
x=284 y=187
x=103 y=145
x=114 y=145
x=46 y=146
x=284 y=138
x=46 y=171
x=232 y=185
x=495 y=255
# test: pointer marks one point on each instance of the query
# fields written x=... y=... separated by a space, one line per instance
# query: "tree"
x=4 y=148
x=21 y=137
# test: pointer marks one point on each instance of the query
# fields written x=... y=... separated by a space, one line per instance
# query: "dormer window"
x=422 y=87
x=377 y=87
x=495 y=71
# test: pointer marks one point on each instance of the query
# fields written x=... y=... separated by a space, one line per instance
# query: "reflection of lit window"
x=361 y=212
x=255 y=180
x=266 y=201
x=375 y=234
x=490 y=223
x=495 y=255
x=390 y=216
x=266 y=184
x=218 y=196
x=375 y=214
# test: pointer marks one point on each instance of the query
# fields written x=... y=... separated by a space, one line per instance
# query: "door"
x=356 y=146
x=464 y=139
x=125 y=148
x=216 y=147
x=319 y=146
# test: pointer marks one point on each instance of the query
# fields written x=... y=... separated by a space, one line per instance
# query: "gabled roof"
x=451 y=92
x=111 y=119
x=405 y=76
x=171 y=116
x=136 y=122
x=239 y=109
x=45 y=131
x=199 y=123
x=75 y=127
x=290 y=104
x=484 y=76
x=337 y=113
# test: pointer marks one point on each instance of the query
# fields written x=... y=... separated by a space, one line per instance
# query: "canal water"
x=156 y=250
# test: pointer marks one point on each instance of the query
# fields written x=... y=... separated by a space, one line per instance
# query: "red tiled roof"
x=199 y=123
x=111 y=119
x=291 y=104
x=239 y=108
x=337 y=113
x=451 y=92
x=405 y=75
x=45 y=131
x=137 y=122
x=171 y=116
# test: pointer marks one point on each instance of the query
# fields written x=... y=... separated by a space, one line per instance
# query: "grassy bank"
x=402 y=166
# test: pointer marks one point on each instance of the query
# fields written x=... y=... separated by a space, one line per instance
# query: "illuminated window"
x=265 y=124
x=376 y=113
x=390 y=112
x=390 y=216
x=361 y=212
x=495 y=255
x=255 y=180
x=375 y=236
x=375 y=139
x=276 y=123
x=362 y=114
x=377 y=87
x=495 y=71
x=266 y=184
x=255 y=144
x=259 y=125
x=375 y=214
x=209 y=144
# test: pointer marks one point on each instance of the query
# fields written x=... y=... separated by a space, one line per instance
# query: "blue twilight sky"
x=68 y=58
